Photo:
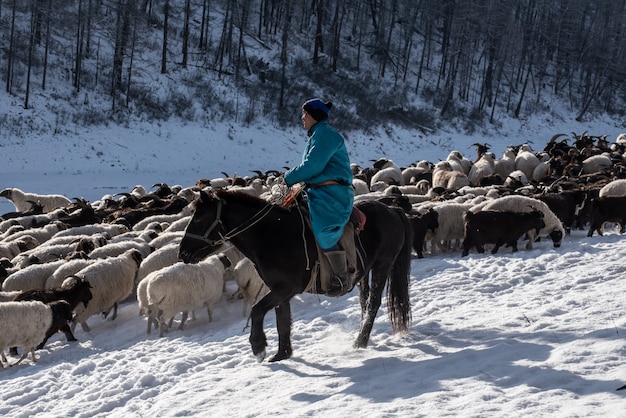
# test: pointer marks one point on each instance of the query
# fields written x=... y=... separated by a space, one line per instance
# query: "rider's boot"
x=340 y=281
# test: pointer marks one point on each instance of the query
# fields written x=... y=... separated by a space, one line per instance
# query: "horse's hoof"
x=260 y=356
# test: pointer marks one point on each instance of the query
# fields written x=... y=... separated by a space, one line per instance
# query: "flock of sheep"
x=63 y=261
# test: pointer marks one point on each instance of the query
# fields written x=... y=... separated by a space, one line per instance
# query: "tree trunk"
x=186 y=33
x=166 y=15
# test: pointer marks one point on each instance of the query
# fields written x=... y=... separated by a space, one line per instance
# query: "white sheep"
x=185 y=287
x=22 y=200
x=179 y=225
x=166 y=238
x=66 y=269
x=256 y=188
x=143 y=224
x=483 y=167
x=413 y=172
x=451 y=226
x=109 y=230
x=615 y=188
x=160 y=258
x=459 y=162
x=11 y=249
x=389 y=174
x=360 y=186
x=31 y=277
x=113 y=249
x=250 y=287
x=8 y=296
x=112 y=281
x=28 y=221
x=526 y=160
x=596 y=164
x=445 y=176
x=505 y=165
x=42 y=234
x=517 y=178
x=516 y=203
x=29 y=323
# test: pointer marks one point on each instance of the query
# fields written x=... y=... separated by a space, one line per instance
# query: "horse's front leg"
x=283 y=325
x=370 y=303
x=258 y=340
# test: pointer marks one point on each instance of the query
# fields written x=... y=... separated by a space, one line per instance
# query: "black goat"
x=421 y=224
x=499 y=228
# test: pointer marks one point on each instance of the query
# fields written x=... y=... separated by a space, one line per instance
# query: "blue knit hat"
x=317 y=109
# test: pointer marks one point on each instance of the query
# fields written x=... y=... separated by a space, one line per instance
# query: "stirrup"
x=337 y=288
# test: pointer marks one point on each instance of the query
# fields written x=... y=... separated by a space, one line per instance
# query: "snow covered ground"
x=532 y=333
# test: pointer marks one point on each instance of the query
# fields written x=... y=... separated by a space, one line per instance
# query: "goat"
x=607 y=209
x=499 y=228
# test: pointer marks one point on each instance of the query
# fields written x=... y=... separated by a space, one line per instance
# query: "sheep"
x=55 y=251
x=505 y=165
x=360 y=187
x=420 y=171
x=444 y=176
x=459 y=162
x=166 y=238
x=112 y=280
x=390 y=173
x=113 y=249
x=110 y=230
x=11 y=249
x=185 y=287
x=255 y=188
x=499 y=228
x=29 y=221
x=28 y=324
x=483 y=167
x=141 y=225
x=516 y=179
x=69 y=268
x=73 y=291
x=516 y=203
x=8 y=296
x=163 y=257
x=179 y=225
x=450 y=224
x=615 y=188
x=41 y=234
x=526 y=161
x=22 y=200
x=250 y=286
x=31 y=277
x=596 y=164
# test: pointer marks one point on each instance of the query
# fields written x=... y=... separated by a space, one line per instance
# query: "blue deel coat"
x=325 y=158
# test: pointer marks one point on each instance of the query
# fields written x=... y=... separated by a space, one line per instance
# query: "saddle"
x=321 y=272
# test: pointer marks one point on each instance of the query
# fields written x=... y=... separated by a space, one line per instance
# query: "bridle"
x=264 y=211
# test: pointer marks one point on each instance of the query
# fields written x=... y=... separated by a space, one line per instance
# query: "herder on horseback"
x=325 y=170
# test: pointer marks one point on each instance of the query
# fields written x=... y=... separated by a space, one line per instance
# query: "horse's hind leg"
x=283 y=325
x=370 y=308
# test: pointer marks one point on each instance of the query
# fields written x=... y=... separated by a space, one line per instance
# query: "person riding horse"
x=325 y=170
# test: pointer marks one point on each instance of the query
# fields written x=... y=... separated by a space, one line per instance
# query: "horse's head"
x=203 y=235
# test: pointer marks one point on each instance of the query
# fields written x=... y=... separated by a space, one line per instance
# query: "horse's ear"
x=204 y=196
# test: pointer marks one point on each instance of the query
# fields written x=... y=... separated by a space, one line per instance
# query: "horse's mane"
x=243 y=198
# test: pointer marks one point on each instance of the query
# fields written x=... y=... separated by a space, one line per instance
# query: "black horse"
x=282 y=247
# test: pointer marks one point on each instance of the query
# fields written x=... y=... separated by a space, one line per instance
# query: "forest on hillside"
x=399 y=61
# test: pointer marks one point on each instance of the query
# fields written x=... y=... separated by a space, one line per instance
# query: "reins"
x=254 y=219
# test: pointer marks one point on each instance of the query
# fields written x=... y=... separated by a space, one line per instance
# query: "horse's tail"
x=398 y=303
